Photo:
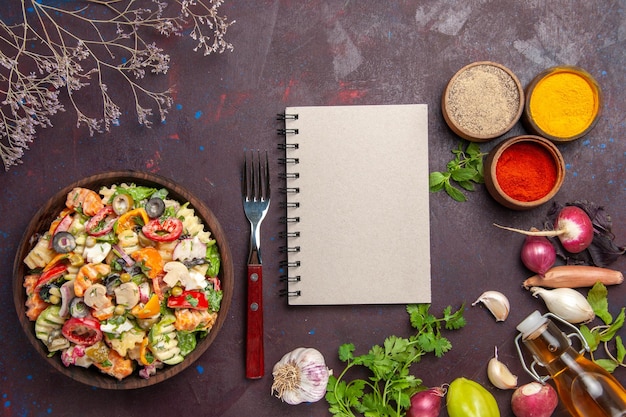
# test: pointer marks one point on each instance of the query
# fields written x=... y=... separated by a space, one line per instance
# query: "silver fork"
x=256 y=202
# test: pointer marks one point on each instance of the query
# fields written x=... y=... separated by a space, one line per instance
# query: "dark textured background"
x=327 y=53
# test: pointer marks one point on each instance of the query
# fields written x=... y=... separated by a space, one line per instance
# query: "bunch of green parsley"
x=388 y=390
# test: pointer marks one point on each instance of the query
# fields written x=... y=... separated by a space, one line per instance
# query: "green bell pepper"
x=467 y=398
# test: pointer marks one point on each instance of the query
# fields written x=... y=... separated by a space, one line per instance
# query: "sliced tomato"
x=82 y=331
x=102 y=222
x=165 y=230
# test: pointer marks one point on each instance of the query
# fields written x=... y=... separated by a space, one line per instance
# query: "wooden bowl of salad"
x=122 y=280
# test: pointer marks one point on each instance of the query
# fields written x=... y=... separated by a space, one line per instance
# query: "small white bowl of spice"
x=482 y=101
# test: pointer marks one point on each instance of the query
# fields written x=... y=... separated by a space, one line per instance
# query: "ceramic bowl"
x=529 y=196
x=482 y=101
x=41 y=222
x=571 y=112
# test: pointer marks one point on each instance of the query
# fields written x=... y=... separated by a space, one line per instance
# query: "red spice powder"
x=526 y=171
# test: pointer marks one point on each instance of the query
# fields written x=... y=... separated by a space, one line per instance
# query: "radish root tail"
x=532 y=232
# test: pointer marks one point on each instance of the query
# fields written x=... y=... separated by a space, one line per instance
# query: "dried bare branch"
x=54 y=51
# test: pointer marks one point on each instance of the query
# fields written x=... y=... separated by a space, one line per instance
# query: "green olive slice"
x=122 y=203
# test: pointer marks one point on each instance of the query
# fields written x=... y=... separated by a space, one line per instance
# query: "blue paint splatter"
x=312 y=331
x=586 y=142
x=201 y=147
x=179 y=107
x=198 y=114
x=123 y=60
x=568 y=166
x=200 y=369
x=7 y=404
x=603 y=73
x=29 y=377
x=49 y=410
x=602 y=146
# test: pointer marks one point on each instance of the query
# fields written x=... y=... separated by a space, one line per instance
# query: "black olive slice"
x=155 y=207
x=63 y=242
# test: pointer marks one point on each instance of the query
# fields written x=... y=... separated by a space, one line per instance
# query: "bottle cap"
x=531 y=323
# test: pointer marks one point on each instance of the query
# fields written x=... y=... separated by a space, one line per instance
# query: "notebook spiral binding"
x=289 y=190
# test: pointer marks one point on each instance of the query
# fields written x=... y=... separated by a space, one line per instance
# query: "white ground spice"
x=483 y=100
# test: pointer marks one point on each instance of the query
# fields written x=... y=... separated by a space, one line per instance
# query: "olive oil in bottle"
x=585 y=388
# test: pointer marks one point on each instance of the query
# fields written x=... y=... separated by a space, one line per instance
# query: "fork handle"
x=255 y=364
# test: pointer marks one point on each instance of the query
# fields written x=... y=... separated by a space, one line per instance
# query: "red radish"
x=572 y=226
x=534 y=400
x=426 y=403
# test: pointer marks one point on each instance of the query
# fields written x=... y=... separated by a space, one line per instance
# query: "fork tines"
x=256 y=177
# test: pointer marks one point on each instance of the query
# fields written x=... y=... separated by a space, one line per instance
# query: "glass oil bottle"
x=585 y=388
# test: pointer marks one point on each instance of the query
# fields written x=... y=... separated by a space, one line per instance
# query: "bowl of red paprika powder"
x=524 y=172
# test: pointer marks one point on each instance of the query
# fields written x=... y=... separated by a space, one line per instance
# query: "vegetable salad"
x=124 y=280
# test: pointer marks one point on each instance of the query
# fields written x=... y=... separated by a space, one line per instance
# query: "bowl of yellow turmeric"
x=562 y=104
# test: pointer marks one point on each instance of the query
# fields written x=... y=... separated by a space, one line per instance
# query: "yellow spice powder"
x=564 y=104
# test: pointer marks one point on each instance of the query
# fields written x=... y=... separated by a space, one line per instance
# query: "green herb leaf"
x=608 y=364
x=597 y=298
x=454 y=320
x=346 y=352
x=437 y=179
x=454 y=192
x=592 y=338
x=463 y=174
x=608 y=334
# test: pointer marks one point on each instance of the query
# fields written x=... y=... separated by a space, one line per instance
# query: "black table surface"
x=327 y=53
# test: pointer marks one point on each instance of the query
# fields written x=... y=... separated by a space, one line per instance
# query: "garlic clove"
x=567 y=303
x=499 y=375
x=496 y=302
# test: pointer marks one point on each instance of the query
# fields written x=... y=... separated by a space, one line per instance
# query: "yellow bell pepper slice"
x=128 y=220
x=150 y=309
x=56 y=260
x=143 y=350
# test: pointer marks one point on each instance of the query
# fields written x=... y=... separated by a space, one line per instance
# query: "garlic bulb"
x=300 y=376
x=499 y=375
x=567 y=303
x=496 y=302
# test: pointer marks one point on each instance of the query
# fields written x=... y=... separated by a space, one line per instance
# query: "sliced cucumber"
x=48 y=321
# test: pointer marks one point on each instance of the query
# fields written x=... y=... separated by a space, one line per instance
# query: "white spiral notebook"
x=357 y=212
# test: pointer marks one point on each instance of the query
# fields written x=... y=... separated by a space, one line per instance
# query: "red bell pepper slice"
x=50 y=275
x=64 y=224
x=166 y=230
x=82 y=331
x=189 y=299
x=102 y=222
